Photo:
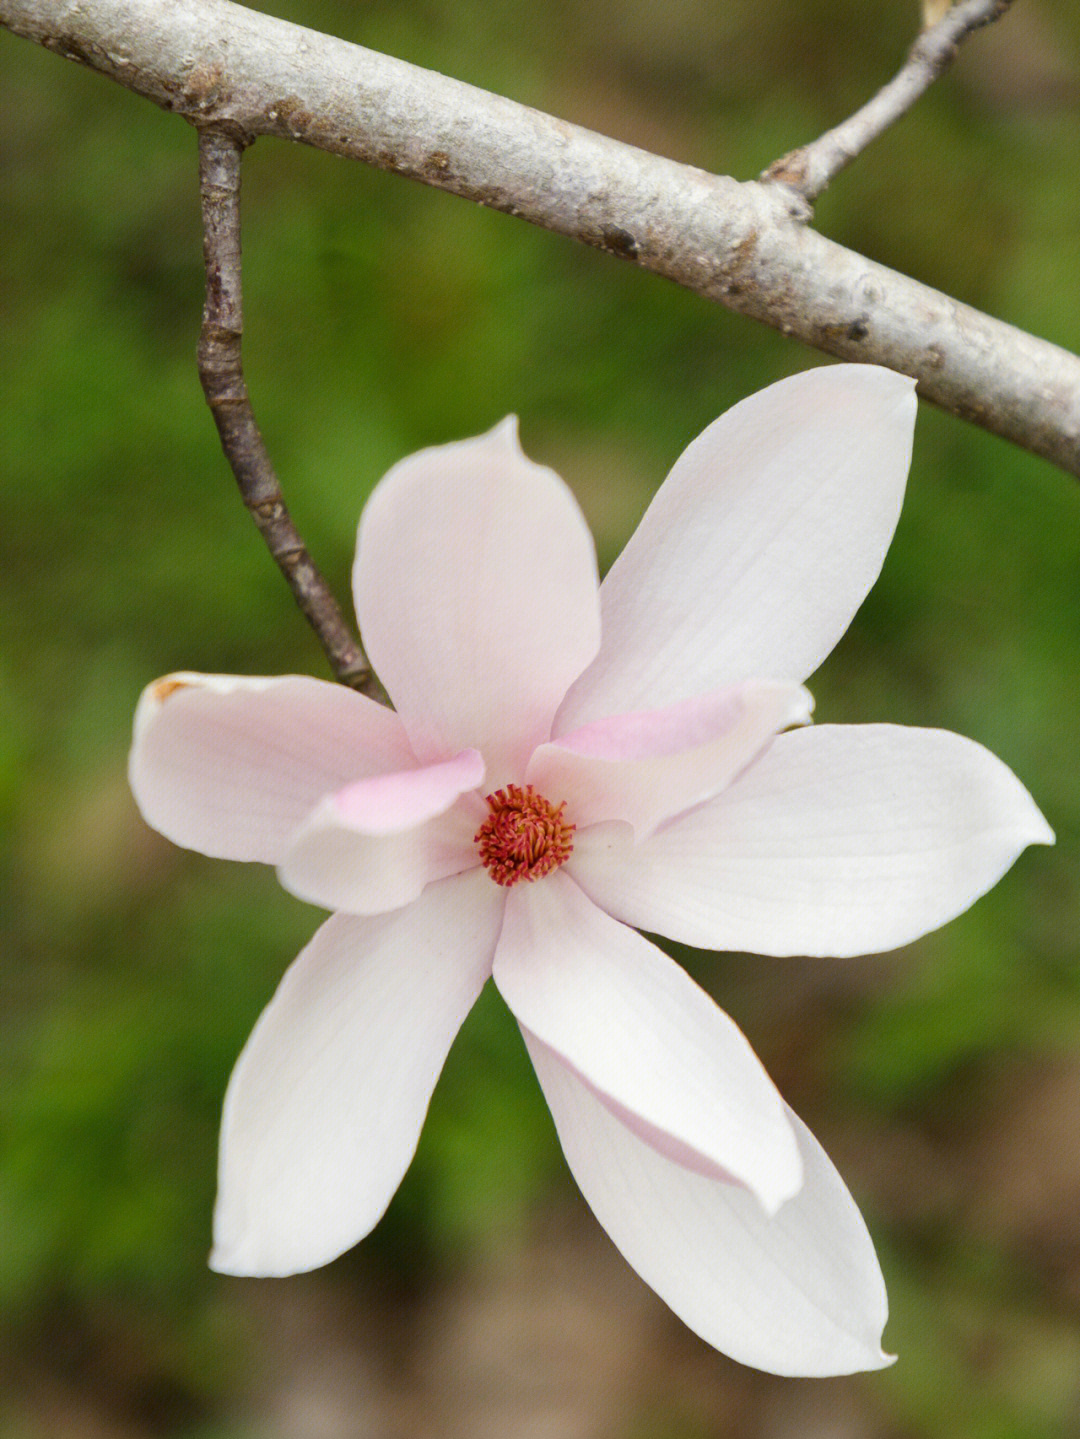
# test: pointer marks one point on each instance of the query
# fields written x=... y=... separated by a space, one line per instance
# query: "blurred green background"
x=381 y=316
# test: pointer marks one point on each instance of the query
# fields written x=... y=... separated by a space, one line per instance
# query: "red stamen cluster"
x=524 y=836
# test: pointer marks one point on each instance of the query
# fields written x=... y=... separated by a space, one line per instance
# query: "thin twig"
x=744 y=245
x=222 y=376
x=809 y=169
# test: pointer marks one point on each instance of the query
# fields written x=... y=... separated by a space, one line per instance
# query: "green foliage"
x=382 y=317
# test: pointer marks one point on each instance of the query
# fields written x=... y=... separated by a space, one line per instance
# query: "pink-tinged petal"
x=644 y=768
x=797 y=1293
x=653 y=1046
x=375 y=845
x=325 y=1105
x=391 y=803
x=760 y=545
x=476 y=589
x=839 y=840
x=230 y=765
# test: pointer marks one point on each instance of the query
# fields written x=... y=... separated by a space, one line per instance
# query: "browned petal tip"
x=162 y=689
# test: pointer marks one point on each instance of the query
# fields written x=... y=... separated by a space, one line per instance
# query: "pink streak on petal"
x=644 y=768
x=230 y=764
x=635 y=1027
x=654 y=734
x=796 y=1293
x=389 y=803
x=838 y=840
x=376 y=845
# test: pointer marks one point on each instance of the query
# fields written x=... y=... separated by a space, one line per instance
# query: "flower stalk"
x=221 y=373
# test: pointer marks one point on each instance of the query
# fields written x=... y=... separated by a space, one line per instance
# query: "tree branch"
x=744 y=245
x=809 y=169
x=222 y=376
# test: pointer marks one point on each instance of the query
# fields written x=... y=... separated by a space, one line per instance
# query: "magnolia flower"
x=565 y=762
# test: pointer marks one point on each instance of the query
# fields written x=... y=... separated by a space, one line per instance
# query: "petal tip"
x=244 y=1253
x=161 y=689
x=1029 y=824
x=852 y=1354
x=801 y=709
x=786 y=1184
x=839 y=1365
x=883 y=375
x=221 y=1262
x=231 y=1261
x=874 y=1358
x=1041 y=831
x=156 y=693
x=506 y=433
x=229 y=1258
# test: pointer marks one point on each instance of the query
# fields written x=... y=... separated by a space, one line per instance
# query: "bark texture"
x=746 y=245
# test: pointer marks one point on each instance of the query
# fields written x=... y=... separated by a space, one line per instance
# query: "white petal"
x=838 y=840
x=326 y=1102
x=645 y=768
x=376 y=844
x=760 y=545
x=799 y=1293
x=644 y=1037
x=476 y=589
x=230 y=765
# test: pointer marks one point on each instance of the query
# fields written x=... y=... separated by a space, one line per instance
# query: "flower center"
x=524 y=837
